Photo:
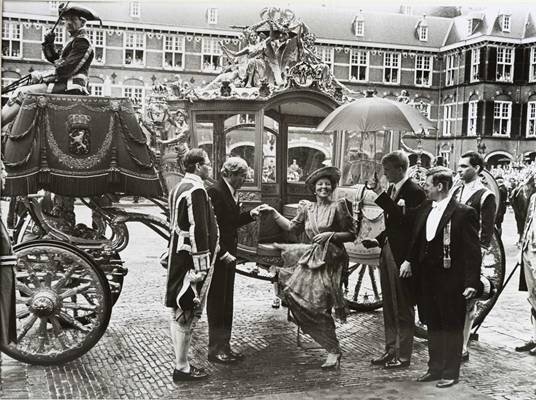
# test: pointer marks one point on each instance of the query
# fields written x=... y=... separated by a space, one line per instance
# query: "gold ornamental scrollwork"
x=79 y=163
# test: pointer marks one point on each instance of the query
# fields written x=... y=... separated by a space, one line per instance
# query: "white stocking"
x=181 y=335
x=470 y=315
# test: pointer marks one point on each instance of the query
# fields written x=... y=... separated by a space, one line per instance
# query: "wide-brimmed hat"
x=79 y=11
x=333 y=173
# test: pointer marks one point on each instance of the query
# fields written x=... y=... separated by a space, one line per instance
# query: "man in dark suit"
x=224 y=197
x=397 y=287
x=445 y=258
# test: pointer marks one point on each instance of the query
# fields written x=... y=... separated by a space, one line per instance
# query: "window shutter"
x=488 y=123
x=515 y=130
x=480 y=117
x=482 y=66
x=519 y=65
x=465 y=115
x=492 y=64
x=523 y=120
x=467 y=71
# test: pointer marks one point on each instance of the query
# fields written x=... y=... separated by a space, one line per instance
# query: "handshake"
x=261 y=209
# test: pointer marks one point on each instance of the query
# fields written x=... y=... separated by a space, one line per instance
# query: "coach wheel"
x=361 y=285
x=63 y=303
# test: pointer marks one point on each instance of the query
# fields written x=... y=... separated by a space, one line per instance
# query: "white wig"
x=233 y=166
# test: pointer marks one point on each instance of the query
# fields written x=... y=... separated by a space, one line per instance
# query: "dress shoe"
x=332 y=362
x=445 y=383
x=385 y=357
x=234 y=354
x=532 y=351
x=194 y=375
x=428 y=377
x=396 y=364
x=526 y=346
x=222 y=358
x=465 y=356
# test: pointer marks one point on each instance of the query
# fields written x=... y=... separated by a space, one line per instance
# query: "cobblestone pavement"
x=134 y=357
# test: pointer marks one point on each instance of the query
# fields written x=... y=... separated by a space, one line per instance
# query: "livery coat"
x=71 y=67
x=194 y=234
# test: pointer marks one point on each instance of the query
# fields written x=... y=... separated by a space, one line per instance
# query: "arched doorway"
x=307 y=158
x=494 y=160
x=247 y=152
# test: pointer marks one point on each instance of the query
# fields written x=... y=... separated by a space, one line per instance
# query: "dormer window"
x=470 y=26
x=505 y=23
x=423 y=33
x=422 y=29
x=212 y=15
x=135 y=9
x=359 y=25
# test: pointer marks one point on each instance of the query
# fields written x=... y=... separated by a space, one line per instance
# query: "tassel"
x=447 y=262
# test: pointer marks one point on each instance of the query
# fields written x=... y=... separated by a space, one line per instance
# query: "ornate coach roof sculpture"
x=277 y=54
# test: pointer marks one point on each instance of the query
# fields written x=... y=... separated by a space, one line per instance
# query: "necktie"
x=392 y=191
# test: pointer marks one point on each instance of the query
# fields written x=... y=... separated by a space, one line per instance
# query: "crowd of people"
x=432 y=249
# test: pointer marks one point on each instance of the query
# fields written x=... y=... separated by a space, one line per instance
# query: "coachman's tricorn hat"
x=79 y=11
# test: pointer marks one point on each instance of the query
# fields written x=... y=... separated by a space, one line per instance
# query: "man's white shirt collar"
x=399 y=184
x=231 y=190
x=432 y=222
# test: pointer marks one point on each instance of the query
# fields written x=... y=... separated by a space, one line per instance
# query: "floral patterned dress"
x=311 y=277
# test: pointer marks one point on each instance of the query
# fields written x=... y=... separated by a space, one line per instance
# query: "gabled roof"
x=330 y=24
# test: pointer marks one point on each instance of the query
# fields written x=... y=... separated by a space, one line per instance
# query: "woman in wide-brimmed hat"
x=311 y=277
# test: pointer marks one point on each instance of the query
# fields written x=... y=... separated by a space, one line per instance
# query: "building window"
x=212 y=55
x=531 y=119
x=5 y=83
x=53 y=6
x=505 y=64
x=96 y=89
x=391 y=68
x=470 y=26
x=451 y=69
x=98 y=39
x=359 y=27
x=475 y=65
x=11 y=40
x=59 y=41
x=246 y=118
x=449 y=120
x=502 y=114
x=135 y=9
x=174 y=52
x=135 y=94
x=359 y=65
x=423 y=70
x=423 y=33
x=212 y=15
x=472 y=118
x=326 y=55
x=532 y=75
x=134 y=49
x=505 y=23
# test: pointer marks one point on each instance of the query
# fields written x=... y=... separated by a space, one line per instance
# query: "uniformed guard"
x=71 y=67
x=192 y=252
